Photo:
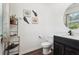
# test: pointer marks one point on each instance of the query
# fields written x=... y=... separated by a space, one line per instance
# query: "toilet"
x=46 y=44
x=46 y=47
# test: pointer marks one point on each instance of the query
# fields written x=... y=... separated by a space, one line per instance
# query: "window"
x=73 y=20
x=0 y=19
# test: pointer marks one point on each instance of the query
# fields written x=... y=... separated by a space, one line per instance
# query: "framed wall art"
x=34 y=20
x=26 y=12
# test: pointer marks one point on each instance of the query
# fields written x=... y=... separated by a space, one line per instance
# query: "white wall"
x=50 y=21
x=58 y=10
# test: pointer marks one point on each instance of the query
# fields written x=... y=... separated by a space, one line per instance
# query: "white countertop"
x=68 y=36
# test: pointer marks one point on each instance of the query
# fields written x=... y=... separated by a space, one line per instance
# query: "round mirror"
x=71 y=16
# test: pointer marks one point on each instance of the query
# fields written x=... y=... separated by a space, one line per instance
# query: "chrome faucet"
x=70 y=32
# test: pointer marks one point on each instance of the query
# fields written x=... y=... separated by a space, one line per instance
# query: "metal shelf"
x=13 y=51
x=14 y=38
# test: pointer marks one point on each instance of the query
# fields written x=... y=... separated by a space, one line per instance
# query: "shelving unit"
x=12 y=47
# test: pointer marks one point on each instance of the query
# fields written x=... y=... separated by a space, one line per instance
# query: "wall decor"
x=27 y=13
x=25 y=19
x=30 y=16
x=34 y=20
x=34 y=12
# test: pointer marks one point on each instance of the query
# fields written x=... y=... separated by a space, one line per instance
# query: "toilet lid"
x=46 y=43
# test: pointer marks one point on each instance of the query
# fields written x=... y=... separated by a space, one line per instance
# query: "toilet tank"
x=45 y=38
x=50 y=39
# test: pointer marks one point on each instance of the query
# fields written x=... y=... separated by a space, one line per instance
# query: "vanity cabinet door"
x=70 y=51
x=58 y=49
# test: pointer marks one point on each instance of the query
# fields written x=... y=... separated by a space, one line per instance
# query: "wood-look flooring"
x=37 y=52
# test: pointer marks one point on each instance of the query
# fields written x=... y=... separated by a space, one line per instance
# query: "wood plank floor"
x=38 y=52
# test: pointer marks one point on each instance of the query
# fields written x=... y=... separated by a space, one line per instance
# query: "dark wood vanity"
x=65 y=46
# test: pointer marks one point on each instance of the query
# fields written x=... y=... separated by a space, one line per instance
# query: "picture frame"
x=34 y=20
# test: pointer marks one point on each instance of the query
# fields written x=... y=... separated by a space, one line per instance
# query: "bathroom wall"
x=58 y=10
x=50 y=21
x=29 y=32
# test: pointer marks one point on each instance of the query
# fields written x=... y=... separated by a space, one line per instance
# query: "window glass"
x=0 y=18
x=73 y=20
